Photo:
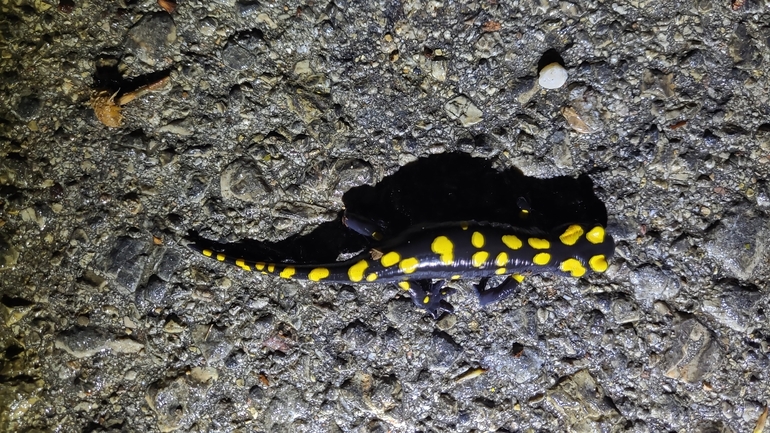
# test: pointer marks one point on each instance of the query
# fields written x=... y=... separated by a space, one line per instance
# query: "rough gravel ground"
x=273 y=110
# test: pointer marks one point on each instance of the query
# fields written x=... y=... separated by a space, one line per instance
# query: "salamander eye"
x=524 y=208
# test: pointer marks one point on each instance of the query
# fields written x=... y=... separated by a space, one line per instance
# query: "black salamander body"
x=452 y=251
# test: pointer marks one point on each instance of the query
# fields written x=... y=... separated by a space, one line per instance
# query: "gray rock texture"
x=124 y=126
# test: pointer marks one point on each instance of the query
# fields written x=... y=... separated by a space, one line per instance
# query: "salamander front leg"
x=429 y=296
x=489 y=295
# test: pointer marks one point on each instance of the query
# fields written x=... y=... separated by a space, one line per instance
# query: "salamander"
x=421 y=259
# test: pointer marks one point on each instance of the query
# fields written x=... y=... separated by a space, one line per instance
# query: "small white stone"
x=552 y=76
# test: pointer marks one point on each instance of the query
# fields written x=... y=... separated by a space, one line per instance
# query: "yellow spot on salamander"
x=444 y=248
x=318 y=274
x=464 y=225
x=479 y=258
x=390 y=259
x=404 y=285
x=596 y=235
x=207 y=253
x=409 y=265
x=512 y=242
x=426 y=299
x=518 y=277
x=573 y=267
x=477 y=239
x=287 y=272
x=571 y=235
x=246 y=268
x=541 y=259
x=356 y=272
x=371 y=277
x=240 y=263
x=271 y=267
x=259 y=265
x=221 y=257
x=539 y=244
x=598 y=263
x=456 y=277
x=500 y=271
x=501 y=259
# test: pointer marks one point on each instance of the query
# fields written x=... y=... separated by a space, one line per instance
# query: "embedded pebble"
x=443 y=351
x=351 y=173
x=172 y=327
x=82 y=342
x=438 y=70
x=552 y=76
x=733 y=307
x=243 y=181
x=212 y=342
x=625 y=311
x=204 y=374
x=153 y=39
x=168 y=264
x=357 y=336
x=9 y=254
x=207 y=26
x=127 y=262
x=125 y=345
x=462 y=109
x=178 y=127
x=247 y=8
x=524 y=91
x=651 y=284
x=581 y=400
x=657 y=84
x=152 y=294
x=244 y=51
x=169 y=400
x=302 y=67
x=693 y=354
x=739 y=245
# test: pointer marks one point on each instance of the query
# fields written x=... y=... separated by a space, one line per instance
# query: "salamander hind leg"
x=490 y=295
x=429 y=296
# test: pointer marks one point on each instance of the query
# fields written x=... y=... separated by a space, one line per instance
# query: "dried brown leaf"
x=574 y=120
x=761 y=422
x=130 y=96
x=263 y=379
x=167 y=5
x=106 y=110
x=491 y=26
